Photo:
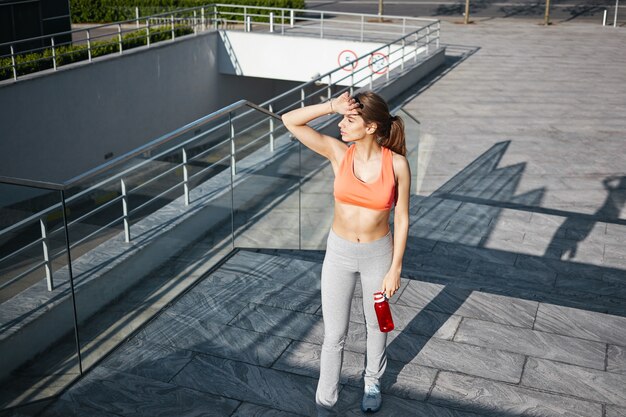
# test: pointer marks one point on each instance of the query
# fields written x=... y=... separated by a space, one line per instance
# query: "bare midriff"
x=360 y=224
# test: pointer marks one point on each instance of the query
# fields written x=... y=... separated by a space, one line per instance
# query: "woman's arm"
x=296 y=122
x=391 y=282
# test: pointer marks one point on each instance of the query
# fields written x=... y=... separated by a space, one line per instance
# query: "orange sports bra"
x=376 y=195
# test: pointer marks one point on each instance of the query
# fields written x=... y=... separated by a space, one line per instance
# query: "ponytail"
x=390 y=129
x=395 y=140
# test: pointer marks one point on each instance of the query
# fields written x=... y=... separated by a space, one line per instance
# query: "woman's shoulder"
x=400 y=163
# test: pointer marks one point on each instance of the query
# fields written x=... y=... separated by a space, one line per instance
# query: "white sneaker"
x=372 y=400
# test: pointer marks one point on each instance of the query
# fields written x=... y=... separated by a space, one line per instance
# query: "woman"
x=370 y=176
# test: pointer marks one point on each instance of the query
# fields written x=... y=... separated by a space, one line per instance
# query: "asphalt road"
x=560 y=11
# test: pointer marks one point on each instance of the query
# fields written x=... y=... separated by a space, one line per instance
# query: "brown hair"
x=390 y=129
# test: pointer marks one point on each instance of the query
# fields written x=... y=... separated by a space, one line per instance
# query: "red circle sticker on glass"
x=378 y=63
x=346 y=57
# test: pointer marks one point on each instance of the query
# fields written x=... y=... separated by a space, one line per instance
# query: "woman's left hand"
x=391 y=283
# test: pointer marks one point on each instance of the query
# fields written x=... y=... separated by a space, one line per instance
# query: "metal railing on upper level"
x=120 y=37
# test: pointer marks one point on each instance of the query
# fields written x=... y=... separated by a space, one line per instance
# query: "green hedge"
x=28 y=63
x=99 y=11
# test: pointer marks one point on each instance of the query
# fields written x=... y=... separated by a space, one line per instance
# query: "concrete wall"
x=60 y=124
x=301 y=59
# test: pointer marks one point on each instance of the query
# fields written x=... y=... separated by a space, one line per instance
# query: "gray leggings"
x=344 y=261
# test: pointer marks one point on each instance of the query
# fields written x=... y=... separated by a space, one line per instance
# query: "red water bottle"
x=383 y=313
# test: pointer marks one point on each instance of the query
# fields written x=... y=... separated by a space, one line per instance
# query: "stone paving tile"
x=580 y=323
x=615 y=229
x=400 y=379
x=612 y=411
x=514 y=275
x=613 y=262
x=450 y=262
x=468 y=303
x=215 y=339
x=130 y=395
x=473 y=253
x=424 y=322
x=148 y=360
x=62 y=408
x=244 y=382
x=532 y=343
x=591 y=384
x=591 y=285
x=616 y=359
x=400 y=407
x=220 y=305
x=253 y=410
x=443 y=354
x=277 y=285
x=490 y=398
x=280 y=322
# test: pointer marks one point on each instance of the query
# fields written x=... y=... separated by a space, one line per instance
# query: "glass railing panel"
x=266 y=203
x=33 y=367
x=166 y=225
x=317 y=200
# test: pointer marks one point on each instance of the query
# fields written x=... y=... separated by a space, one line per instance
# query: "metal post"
x=291 y=17
x=615 y=15
x=185 y=177
x=388 y=61
x=604 y=18
x=438 y=34
x=322 y=25
x=282 y=22
x=215 y=14
x=195 y=23
x=46 y=255
x=248 y=24
x=428 y=39
x=299 y=195
x=69 y=267
x=403 y=55
x=403 y=26
x=302 y=97
x=271 y=22
x=54 y=54
x=371 y=78
x=88 y=45
x=352 y=82
x=137 y=16
x=125 y=212
x=233 y=165
x=232 y=198
x=271 y=108
x=13 y=63
x=203 y=18
x=172 y=20
x=362 y=26
x=148 y=32
x=546 y=16
x=245 y=18
x=329 y=91
x=119 y=36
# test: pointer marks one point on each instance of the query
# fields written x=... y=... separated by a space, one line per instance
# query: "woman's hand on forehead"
x=344 y=104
